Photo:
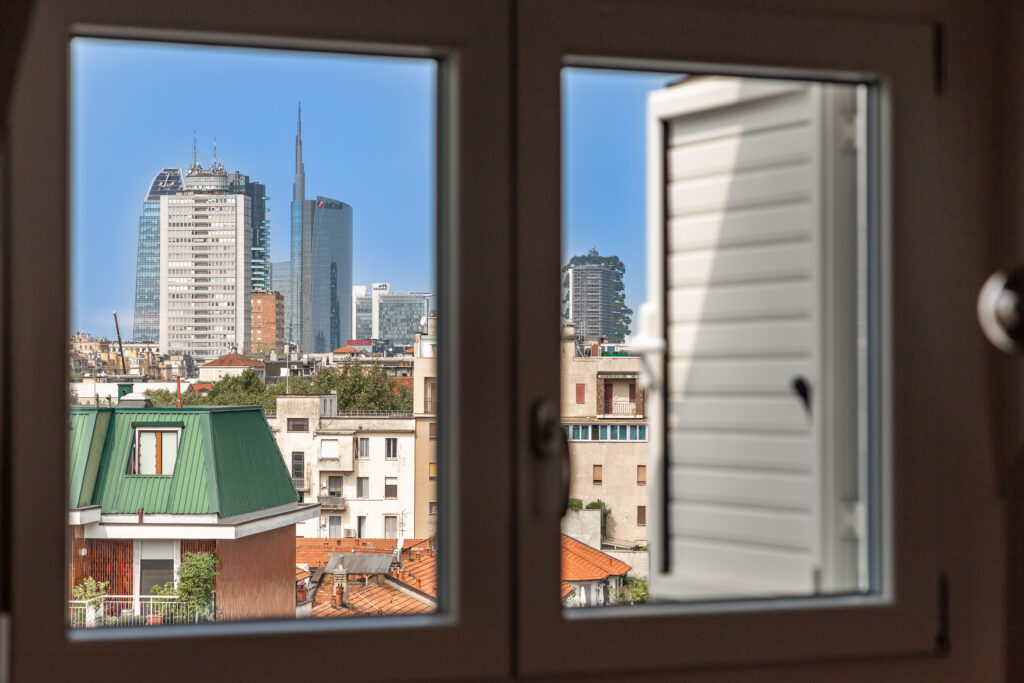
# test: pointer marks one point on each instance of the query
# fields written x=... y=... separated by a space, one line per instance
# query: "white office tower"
x=205 y=266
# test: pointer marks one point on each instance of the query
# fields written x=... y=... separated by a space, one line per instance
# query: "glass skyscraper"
x=320 y=311
x=281 y=282
x=146 y=324
x=237 y=182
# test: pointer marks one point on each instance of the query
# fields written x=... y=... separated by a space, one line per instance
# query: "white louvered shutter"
x=753 y=229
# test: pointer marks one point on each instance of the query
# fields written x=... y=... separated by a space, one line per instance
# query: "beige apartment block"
x=603 y=416
x=424 y=407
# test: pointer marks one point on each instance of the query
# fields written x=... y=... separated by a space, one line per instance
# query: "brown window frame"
x=598 y=475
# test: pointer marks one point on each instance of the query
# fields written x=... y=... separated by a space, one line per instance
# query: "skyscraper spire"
x=299 y=186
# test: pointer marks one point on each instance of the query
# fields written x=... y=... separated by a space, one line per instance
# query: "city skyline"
x=369 y=136
x=364 y=155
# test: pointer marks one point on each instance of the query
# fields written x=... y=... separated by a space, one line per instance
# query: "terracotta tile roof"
x=348 y=349
x=300 y=573
x=233 y=360
x=202 y=386
x=567 y=589
x=419 y=570
x=404 y=381
x=580 y=562
x=370 y=599
x=316 y=552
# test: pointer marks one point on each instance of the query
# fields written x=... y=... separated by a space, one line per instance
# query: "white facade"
x=360 y=469
x=205 y=261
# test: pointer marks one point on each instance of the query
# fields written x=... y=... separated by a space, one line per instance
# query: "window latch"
x=551 y=448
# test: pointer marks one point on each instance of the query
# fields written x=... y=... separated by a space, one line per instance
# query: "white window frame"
x=471 y=41
x=136 y=455
x=677 y=38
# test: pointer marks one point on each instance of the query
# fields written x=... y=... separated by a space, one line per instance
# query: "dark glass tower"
x=146 y=325
x=320 y=315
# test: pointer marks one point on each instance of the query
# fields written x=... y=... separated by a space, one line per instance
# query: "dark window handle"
x=803 y=389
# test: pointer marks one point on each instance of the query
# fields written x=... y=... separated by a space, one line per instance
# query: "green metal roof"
x=227 y=462
x=250 y=470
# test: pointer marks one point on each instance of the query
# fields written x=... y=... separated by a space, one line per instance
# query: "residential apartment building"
x=358 y=466
x=603 y=416
x=146 y=323
x=259 y=278
x=425 y=406
x=589 y=291
x=319 y=303
x=267 y=322
x=145 y=489
x=103 y=357
x=205 y=266
x=230 y=365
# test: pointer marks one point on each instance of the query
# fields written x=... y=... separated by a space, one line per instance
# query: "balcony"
x=619 y=409
x=331 y=502
x=130 y=610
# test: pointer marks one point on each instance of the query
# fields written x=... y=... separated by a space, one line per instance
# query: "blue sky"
x=604 y=168
x=368 y=139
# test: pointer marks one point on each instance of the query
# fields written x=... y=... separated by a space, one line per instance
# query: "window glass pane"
x=147 y=452
x=289 y=287
x=575 y=432
x=168 y=451
x=759 y=191
x=155 y=573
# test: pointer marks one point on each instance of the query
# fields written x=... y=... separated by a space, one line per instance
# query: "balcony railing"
x=620 y=408
x=331 y=502
x=130 y=610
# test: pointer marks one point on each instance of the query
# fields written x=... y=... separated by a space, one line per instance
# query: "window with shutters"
x=598 y=474
x=298 y=424
x=390 y=448
x=362 y=487
x=641 y=515
x=641 y=475
x=335 y=484
x=432 y=470
x=581 y=393
x=391 y=487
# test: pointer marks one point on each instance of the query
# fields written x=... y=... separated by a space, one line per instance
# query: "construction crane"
x=120 y=347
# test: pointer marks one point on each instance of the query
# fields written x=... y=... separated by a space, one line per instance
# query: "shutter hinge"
x=850 y=139
x=855 y=519
x=942 y=644
x=5 y=647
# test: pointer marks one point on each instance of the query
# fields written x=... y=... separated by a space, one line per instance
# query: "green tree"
x=197 y=575
x=623 y=314
x=90 y=589
x=73 y=397
x=633 y=593
x=363 y=387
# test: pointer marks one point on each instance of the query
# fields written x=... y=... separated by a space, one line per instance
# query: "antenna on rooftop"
x=214 y=151
x=193 y=146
